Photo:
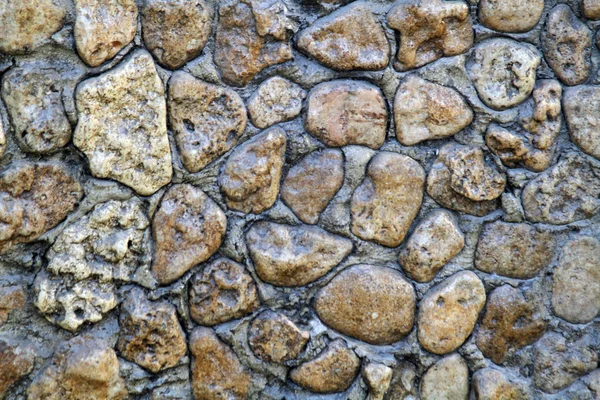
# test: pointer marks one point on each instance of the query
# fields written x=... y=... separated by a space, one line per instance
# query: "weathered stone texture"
x=510 y=15
x=591 y=9
x=378 y=378
x=404 y=384
x=16 y=362
x=12 y=299
x=580 y=104
x=276 y=100
x=274 y=338
x=448 y=379
x=494 y=384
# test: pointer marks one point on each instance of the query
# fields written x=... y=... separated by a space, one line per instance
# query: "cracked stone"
x=494 y=384
x=16 y=361
x=274 y=338
x=580 y=105
x=448 y=379
x=514 y=16
x=378 y=378
x=276 y=100
x=12 y=298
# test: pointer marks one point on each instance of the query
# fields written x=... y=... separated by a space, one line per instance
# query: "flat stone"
x=16 y=361
x=434 y=242
x=404 y=383
x=509 y=323
x=274 y=338
x=103 y=28
x=426 y=111
x=286 y=255
x=216 y=370
x=378 y=378
x=448 y=379
x=503 y=71
x=250 y=177
x=276 y=100
x=591 y=9
x=494 y=384
x=516 y=251
x=576 y=288
x=122 y=127
x=371 y=303
x=579 y=105
x=208 y=120
x=221 y=292
x=513 y=16
x=332 y=371
x=176 y=31
x=430 y=30
x=349 y=38
x=448 y=312
x=188 y=228
x=345 y=112
x=311 y=184
x=389 y=198
x=12 y=298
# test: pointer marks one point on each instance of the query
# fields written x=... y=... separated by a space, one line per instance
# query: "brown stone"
x=274 y=338
x=404 y=383
x=591 y=9
x=493 y=384
x=513 y=16
x=371 y=303
x=388 y=199
x=12 y=298
x=448 y=379
x=276 y=100
x=345 y=112
x=188 y=228
x=286 y=255
x=16 y=362
x=580 y=104
x=378 y=378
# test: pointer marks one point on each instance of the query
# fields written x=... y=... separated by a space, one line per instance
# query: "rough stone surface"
x=378 y=378
x=274 y=338
x=579 y=104
x=448 y=379
x=276 y=100
x=16 y=362
x=511 y=15
x=12 y=299
x=2 y=138
x=494 y=384
x=591 y=9
x=404 y=383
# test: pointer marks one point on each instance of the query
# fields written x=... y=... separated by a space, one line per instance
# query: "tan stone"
x=276 y=100
x=371 y=303
x=493 y=384
x=448 y=379
x=274 y=338
x=188 y=228
x=591 y=9
x=16 y=362
x=510 y=15
x=12 y=298
x=286 y=255
x=378 y=378
x=580 y=104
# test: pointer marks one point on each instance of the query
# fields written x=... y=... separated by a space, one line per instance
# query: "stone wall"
x=299 y=199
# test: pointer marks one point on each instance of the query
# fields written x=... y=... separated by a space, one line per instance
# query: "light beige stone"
x=580 y=104
x=494 y=384
x=274 y=338
x=513 y=16
x=448 y=379
x=378 y=378
x=276 y=100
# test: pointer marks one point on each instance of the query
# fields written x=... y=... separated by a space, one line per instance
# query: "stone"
x=509 y=323
x=430 y=30
x=286 y=255
x=448 y=312
x=565 y=193
x=427 y=111
x=517 y=251
x=176 y=31
x=221 y=292
x=208 y=120
x=448 y=379
x=27 y=24
x=378 y=378
x=250 y=177
x=16 y=361
x=188 y=228
x=349 y=38
x=559 y=362
x=404 y=383
x=512 y=16
x=88 y=259
x=2 y=138
x=493 y=384
x=84 y=366
x=274 y=338
x=122 y=127
x=579 y=105
x=276 y=100
x=367 y=302
x=251 y=35
x=434 y=242
x=576 y=287
x=12 y=298
x=461 y=179
x=388 y=199
x=344 y=112
x=216 y=370
x=311 y=184
x=503 y=71
x=150 y=334
x=591 y=9
x=103 y=28
x=332 y=371
x=34 y=198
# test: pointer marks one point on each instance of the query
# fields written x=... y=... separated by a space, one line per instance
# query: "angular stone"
x=426 y=111
x=221 y=292
x=16 y=362
x=517 y=251
x=332 y=371
x=103 y=28
x=448 y=312
x=576 y=289
x=208 y=120
x=345 y=112
x=404 y=383
x=12 y=298
x=274 y=338
x=34 y=198
x=513 y=16
x=122 y=126
x=349 y=38
x=430 y=30
x=591 y=9
x=286 y=255
x=216 y=370
x=503 y=71
x=493 y=384
x=276 y=100
x=568 y=192
x=250 y=177
x=87 y=261
x=311 y=184
x=448 y=379
x=509 y=323
x=188 y=228
x=388 y=199
x=434 y=242
x=251 y=35
x=580 y=104
x=371 y=303
x=84 y=363
x=378 y=378
x=176 y=31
